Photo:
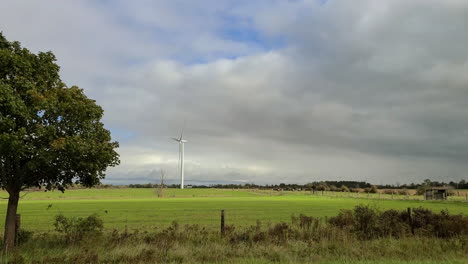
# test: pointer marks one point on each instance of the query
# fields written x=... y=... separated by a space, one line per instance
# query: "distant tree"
x=160 y=187
x=421 y=190
x=50 y=135
x=372 y=189
x=344 y=188
x=322 y=187
x=427 y=182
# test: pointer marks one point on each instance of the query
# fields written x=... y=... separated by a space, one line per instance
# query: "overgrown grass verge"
x=304 y=239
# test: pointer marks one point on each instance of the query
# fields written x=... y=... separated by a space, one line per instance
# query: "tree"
x=160 y=187
x=50 y=135
x=344 y=188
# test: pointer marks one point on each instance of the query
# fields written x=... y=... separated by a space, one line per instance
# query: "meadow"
x=183 y=227
x=141 y=209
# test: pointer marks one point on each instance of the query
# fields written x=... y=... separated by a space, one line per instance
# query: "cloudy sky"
x=271 y=91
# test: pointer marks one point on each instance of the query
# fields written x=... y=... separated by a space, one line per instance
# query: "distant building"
x=436 y=193
x=188 y=186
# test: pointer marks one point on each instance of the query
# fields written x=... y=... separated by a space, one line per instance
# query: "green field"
x=141 y=209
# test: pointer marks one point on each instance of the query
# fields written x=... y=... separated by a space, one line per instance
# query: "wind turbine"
x=181 y=141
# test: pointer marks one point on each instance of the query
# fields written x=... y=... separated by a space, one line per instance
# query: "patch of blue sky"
x=237 y=31
x=122 y=135
x=242 y=29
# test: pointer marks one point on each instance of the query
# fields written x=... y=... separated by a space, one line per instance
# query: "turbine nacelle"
x=180 y=140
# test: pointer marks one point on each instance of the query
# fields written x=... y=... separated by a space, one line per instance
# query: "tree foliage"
x=51 y=135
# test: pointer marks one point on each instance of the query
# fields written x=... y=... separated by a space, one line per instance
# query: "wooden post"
x=410 y=219
x=223 y=231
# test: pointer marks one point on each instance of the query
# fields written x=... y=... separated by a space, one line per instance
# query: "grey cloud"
x=361 y=90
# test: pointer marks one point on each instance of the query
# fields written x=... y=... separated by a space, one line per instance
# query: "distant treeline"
x=319 y=185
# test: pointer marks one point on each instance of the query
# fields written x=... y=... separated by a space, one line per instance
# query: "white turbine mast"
x=181 y=141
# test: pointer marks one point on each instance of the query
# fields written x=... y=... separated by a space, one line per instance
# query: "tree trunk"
x=10 y=230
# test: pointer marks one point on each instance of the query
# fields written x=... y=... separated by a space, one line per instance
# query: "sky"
x=270 y=91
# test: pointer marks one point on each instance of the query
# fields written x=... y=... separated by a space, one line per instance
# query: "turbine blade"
x=182 y=133
x=176 y=139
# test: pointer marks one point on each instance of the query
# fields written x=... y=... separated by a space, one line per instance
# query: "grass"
x=131 y=193
x=143 y=226
x=140 y=209
x=215 y=250
x=257 y=244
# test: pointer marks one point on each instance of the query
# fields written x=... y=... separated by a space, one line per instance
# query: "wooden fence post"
x=410 y=219
x=223 y=230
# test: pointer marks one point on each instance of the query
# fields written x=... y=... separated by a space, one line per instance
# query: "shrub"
x=23 y=236
x=305 y=222
x=344 y=219
x=394 y=223
x=76 y=228
x=370 y=223
x=403 y=192
x=440 y=225
x=366 y=222
x=421 y=190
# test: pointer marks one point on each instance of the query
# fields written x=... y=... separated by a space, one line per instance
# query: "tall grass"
x=304 y=239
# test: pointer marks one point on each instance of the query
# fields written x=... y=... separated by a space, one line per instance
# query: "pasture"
x=141 y=209
x=139 y=228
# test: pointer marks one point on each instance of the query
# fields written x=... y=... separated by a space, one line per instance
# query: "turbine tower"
x=181 y=141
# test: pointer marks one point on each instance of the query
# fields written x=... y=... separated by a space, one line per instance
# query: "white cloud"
x=365 y=90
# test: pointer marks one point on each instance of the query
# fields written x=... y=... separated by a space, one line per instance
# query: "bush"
x=76 y=228
x=421 y=190
x=305 y=222
x=370 y=223
x=23 y=236
x=403 y=192
x=373 y=189
x=344 y=219
x=394 y=223
x=366 y=222
x=441 y=225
